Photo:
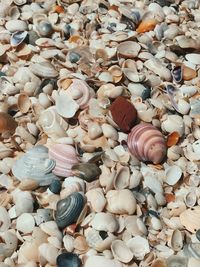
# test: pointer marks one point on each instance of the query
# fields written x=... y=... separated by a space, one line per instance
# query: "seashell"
x=16 y=25
x=43 y=69
x=47 y=253
x=5 y=220
x=68 y=242
x=173 y=174
x=72 y=184
x=192 y=262
x=20 y=2
x=28 y=184
x=135 y=225
x=109 y=131
x=190 y=219
x=190 y=199
x=94 y=130
x=121 y=252
x=104 y=222
x=146 y=25
x=5 y=152
x=65 y=105
x=96 y=199
x=99 y=261
x=7 y=123
x=25 y=223
x=122 y=178
x=173 y=123
x=176 y=241
x=9 y=243
x=188 y=73
x=65 y=157
x=80 y=244
x=45 y=28
x=24 y=103
x=55 y=186
x=121 y=201
x=80 y=92
x=128 y=49
x=193 y=58
x=146 y=143
x=158 y=68
x=192 y=250
x=176 y=260
x=159 y=263
x=35 y=165
x=18 y=37
x=133 y=75
x=23 y=202
x=124 y=117
x=139 y=246
x=86 y=171
x=53 y=125
x=69 y=209
x=68 y=259
x=177 y=73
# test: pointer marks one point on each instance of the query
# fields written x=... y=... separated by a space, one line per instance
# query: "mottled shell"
x=69 y=209
x=65 y=157
x=146 y=143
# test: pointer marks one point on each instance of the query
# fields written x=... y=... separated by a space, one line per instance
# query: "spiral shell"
x=65 y=157
x=147 y=143
x=69 y=209
x=80 y=92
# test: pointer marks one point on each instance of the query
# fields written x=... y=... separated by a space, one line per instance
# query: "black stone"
x=55 y=186
x=68 y=260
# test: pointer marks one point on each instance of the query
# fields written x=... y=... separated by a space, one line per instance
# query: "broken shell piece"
x=190 y=219
x=65 y=105
x=146 y=143
x=173 y=174
x=65 y=157
x=192 y=250
x=128 y=49
x=121 y=201
x=193 y=58
x=36 y=165
x=24 y=103
x=121 y=252
x=124 y=113
x=158 y=68
x=7 y=123
x=139 y=246
x=86 y=171
x=5 y=220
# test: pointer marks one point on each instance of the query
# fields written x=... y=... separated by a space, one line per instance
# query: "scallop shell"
x=65 y=157
x=7 y=123
x=121 y=252
x=146 y=143
x=69 y=209
x=35 y=165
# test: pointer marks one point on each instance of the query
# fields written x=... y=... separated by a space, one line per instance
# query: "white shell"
x=16 y=25
x=65 y=105
x=25 y=223
x=5 y=220
x=99 y=261
x=122 y=177
x=139 y=247
x=193 y=58
x=47 y=253
x=173 y=123
x=68 y=242
x=104 y=222
x=173 y=174
x=96 y=199
x=121 y=252
x=156 y=66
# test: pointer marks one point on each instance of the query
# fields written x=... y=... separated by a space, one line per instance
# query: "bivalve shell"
x=99 y=261
x=128 y=49
x=190 y=219
x=121 y=252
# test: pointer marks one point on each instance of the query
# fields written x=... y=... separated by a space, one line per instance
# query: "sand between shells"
x=100 y=133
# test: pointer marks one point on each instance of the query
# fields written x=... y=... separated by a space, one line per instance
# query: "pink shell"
x=85 y=92
x=147 y=143
x=65 y=157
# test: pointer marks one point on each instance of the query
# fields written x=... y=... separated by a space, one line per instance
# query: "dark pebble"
x=68 y=260
x=55 y=187
x=146 y=94
x=74 y=57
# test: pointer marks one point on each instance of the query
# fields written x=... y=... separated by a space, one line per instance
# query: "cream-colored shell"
x=190 y=219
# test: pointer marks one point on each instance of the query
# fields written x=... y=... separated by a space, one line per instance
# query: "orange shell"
x=146 y=26
x=59 y=9
x=173 y=139
x=169 y=197
x=188 y=73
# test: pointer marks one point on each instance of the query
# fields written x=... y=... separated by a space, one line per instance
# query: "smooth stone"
x=55 y=186
x=68 y=260
x=74 y=57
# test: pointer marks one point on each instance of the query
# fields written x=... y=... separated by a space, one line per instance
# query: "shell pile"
x=100 y=133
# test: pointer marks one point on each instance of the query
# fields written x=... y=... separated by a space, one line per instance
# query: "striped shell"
x=69 y=209
x=147 y=143
x=65 y=157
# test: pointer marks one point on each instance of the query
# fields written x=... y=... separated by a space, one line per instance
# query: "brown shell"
x=7 y=123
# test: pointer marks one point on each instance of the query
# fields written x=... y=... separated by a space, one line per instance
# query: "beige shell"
x=139 y=246
x=128 y=49
x=176 y=241
x=24 y=103
x=190 y=219
x=122 y=177
x=96 y=199
x=121 y=252
x=104 y=222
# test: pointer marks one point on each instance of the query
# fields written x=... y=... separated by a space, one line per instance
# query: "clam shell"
x=121 y=252
x=35 y=165
x=69 y=209
x=176 y=240
x=96 y=199
x=121 y=201
x=24 y=103
x=139 y=246
x=5 y=220
x=128 y=49
x=146 y=143
x=43 y=69
x=68 y=242
x=192 y=250
x=86 y=171
x=122 y=178
x=25 y=223
x=104 y=222
x=155 y=65
x=65 y=157
x=190 y=219
x=173 y=174
x=16 y=25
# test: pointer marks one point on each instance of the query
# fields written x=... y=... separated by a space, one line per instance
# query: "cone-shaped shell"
x=65 y=157
x=69 y=209
x=147 y=143
x=36 y=165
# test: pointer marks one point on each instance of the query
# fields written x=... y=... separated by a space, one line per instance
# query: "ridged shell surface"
x=65 y=157
x=36 y=165
x=147 y=143
x=69 y=209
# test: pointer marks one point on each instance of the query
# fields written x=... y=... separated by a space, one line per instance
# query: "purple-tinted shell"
x=147 y=143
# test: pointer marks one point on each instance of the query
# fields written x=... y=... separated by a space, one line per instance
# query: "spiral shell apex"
x=147 y=143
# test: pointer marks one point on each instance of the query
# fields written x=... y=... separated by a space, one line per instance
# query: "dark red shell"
x=147 y=143
x=124 y=113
